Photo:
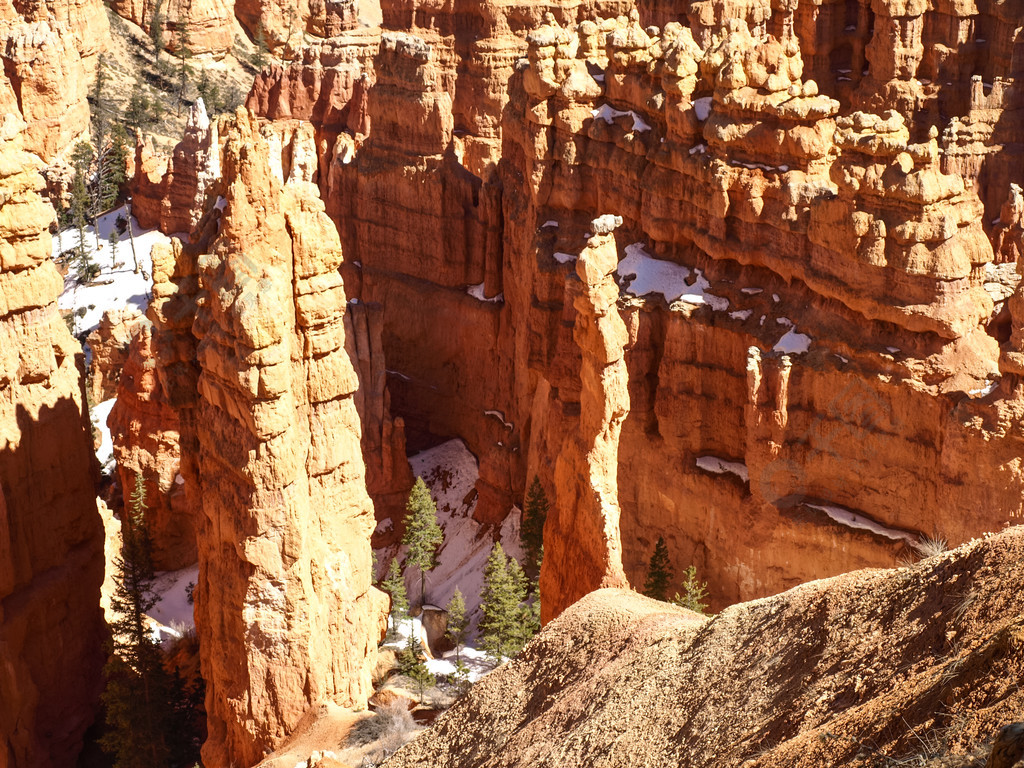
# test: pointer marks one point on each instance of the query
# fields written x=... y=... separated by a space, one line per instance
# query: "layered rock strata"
x=109 y=347
x=51 y=537
x=285 y=612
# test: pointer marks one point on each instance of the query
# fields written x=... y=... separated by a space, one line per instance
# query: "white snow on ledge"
x=550 y=223
x=477 y=292
x=986 y=390
x=564 y=258
x=702 y=107
x=651 y=275
x=721 y=466
x=608 y=113
x=852 y=520
x=500 y=417
x=793 y=343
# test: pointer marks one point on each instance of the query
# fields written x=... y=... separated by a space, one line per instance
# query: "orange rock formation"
x=51 y=536
x=285 y=612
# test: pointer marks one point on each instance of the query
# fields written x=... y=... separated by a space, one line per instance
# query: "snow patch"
x=383 y=526
x=564 y=258
x=793 y=343
x=751 y=291
x=500 y=417
x=742 y=314
x=551 y=223
x=172 y=613
x=651 y=275
x=986 y=390
x=477 y=292
x=608 y=113
x=98 y=415
x=702 y=107
x=719 y=466
x=700 y=149
x=116 y=287
x=859 y=522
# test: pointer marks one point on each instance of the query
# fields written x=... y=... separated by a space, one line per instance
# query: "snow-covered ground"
x=172 y=614
x=451 y=471
x=117 y=286
x=477 y=662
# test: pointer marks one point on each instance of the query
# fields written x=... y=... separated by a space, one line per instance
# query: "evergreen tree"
x=138 y=696
x=502 y=634
x=111 y=169
x=412 y=663
x=394 y=585
x=156 y=31
x=458 y=621
x=461 y=676
x=659 y=572
x=81 y=202
x=183 y=53
x=259 y=59
x=422 y=533
x=113 y=240
x=694 y=592
x=138 y=115
x=531 y=533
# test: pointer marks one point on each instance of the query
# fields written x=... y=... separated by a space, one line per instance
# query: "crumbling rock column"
x=285 y=611
x=583 y=549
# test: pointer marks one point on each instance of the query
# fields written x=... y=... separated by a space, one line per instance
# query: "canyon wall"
x=51 y=536
x=813 y=331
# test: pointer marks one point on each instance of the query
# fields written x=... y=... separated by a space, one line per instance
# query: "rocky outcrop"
x=583 y=529
x=388 y=475
x=51 y=537
x=146 y=434
x=209 y=24
x=109 y=347
x=285 y=612
x=49 y=53
x=172 y=195
x=840 y=672
x=798 y=285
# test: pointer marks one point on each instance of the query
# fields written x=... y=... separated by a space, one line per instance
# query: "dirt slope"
x=908 y=666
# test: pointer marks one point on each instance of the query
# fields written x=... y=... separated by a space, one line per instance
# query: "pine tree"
x=259 y=59
x=156 y=31
x=422 y=533
x=137 y=115
x=502 y=634
x=531 y=534
x=458 y=621
x=694 y=592
x=394 y=585
x=412 y=663
x=183 y=53
x=138 y=695
x=81 y=203
x=659 y=572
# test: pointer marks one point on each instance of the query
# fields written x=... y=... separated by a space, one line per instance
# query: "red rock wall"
x=51 y=536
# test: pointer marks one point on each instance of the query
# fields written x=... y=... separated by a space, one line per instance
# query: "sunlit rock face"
x=51 y=536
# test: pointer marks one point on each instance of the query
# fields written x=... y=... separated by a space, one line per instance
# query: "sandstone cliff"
x=285 y=612
x=51 y=536
x=49 y=53
x=813 y=337
x=916 y=664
